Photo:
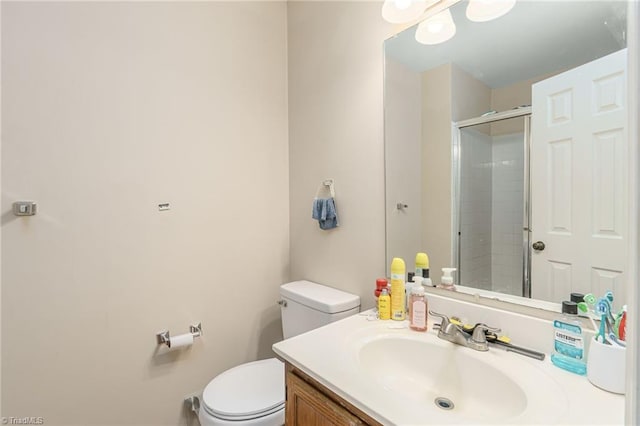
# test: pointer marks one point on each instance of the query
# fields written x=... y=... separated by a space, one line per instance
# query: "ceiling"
x=535 y=38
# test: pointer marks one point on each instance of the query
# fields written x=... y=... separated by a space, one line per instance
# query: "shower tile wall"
x=475 y=209
x=507 y=211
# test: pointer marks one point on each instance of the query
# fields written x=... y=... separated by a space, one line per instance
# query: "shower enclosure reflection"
x=491 y=192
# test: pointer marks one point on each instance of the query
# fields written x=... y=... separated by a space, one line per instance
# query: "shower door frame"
x=456 y=155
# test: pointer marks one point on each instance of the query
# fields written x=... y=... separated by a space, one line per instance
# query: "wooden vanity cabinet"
x=311 y=404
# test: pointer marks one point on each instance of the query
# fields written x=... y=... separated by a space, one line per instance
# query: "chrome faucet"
x=454 y=334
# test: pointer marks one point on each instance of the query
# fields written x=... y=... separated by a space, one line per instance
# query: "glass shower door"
x=492 y=221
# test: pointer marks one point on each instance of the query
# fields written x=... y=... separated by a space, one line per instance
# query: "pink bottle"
x=418 y=310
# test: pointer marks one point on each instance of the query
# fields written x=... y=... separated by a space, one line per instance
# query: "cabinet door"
x=306 y=406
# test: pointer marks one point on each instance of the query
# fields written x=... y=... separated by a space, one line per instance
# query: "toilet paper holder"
x=164 y=338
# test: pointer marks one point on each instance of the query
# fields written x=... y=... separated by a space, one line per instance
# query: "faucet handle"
x=446 y=326
x=479 y=335
x=445 y=319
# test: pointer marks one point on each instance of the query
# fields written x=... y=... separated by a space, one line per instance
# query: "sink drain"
x=444 y=403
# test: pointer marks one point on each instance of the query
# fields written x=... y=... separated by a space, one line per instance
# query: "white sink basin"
x=395 y=375
x=424 y=371
x=458 y=383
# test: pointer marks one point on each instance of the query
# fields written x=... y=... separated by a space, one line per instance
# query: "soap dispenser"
x=418 y=310
x=447 y=279
x=414 y=282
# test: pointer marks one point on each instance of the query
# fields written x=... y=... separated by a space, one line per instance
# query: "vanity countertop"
x=333 y=355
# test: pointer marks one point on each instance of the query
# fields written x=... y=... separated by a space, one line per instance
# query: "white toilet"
x=253 y=394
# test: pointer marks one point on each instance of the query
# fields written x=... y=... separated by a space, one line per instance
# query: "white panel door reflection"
x=579 y=181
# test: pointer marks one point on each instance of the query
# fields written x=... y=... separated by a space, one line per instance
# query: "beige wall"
x=336 y=131
x=403 y=161
x=509 y=97
x=470 y=97
x=109 y=109
x=436 y=172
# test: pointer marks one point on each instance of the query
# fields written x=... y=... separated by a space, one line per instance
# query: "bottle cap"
x=569 y=307
x=381 y=283
x=425 y=273
x=410 y=276
x=577 y=297
x=419 y=290
x=397 y=267
x=422 y=261
x=384 y=292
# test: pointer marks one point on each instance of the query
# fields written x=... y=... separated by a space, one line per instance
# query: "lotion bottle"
x=397 y=289
x=418 y=310
x=384 y=305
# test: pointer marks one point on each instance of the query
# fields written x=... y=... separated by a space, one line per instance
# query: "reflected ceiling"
x=510 y=48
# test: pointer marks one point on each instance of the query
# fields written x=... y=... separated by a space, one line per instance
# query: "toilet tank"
x=306 y=305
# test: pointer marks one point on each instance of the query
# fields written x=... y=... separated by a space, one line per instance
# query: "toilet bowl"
x=249 y=394
x=253 y=394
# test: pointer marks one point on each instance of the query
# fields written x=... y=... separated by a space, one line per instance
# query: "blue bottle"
x=569 y=353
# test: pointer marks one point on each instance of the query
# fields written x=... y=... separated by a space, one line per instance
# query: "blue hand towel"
x=324 y=211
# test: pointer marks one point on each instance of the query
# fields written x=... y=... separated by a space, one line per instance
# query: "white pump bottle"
x=447 y=279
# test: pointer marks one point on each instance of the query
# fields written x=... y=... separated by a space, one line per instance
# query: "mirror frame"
x=632 y=395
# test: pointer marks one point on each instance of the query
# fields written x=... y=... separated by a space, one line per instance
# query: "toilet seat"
x=246 y=392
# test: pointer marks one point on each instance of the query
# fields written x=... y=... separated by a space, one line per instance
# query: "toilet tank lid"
x=319 y=297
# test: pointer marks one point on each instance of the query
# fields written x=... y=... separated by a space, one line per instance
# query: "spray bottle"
x=422 y=265
x=447 y=279
x=422 y=269
x=397 y=289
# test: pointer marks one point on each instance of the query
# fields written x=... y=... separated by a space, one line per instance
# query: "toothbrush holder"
x=606 y=366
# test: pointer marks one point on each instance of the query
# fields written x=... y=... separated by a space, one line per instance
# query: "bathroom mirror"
x=479 y=84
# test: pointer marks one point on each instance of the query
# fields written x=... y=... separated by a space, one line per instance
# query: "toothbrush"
x=584 y=309
x=590 y=299
x=610 y=330
x=608 y=296
x=601 y=309
x=619 y=342
x=622 y=327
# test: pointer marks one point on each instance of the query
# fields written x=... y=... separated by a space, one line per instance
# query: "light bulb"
x=402 y=4
x=402 y=11
x=486 y=10
x=437 y=29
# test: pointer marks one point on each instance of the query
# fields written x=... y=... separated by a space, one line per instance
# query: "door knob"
x=538 y=246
